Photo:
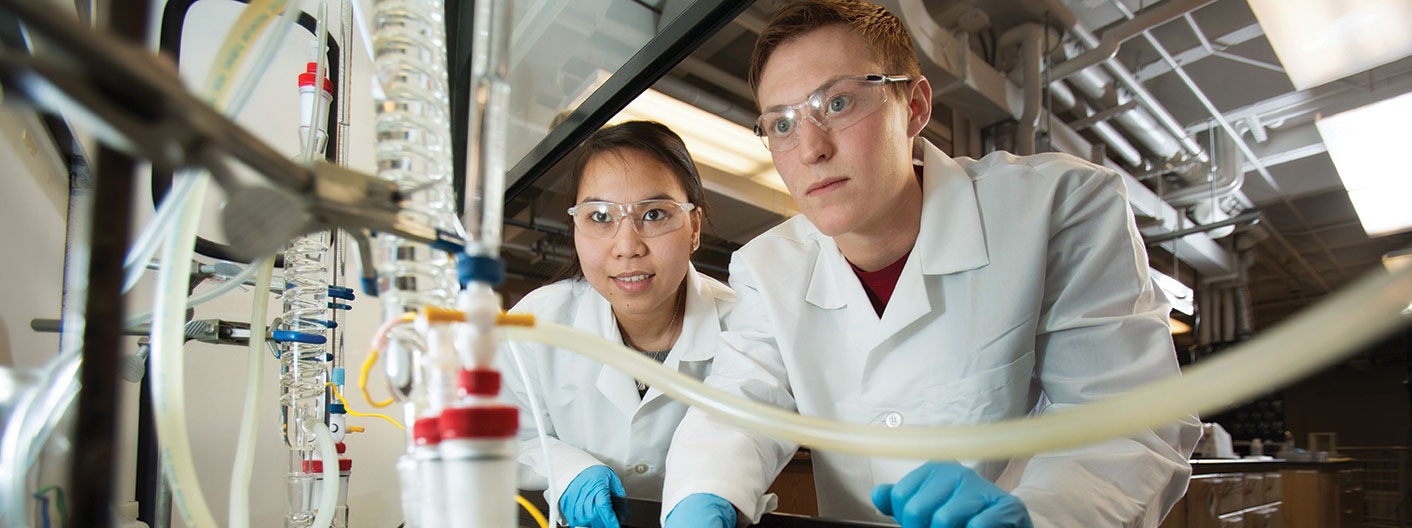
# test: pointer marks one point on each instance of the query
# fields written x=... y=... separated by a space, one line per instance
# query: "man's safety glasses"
x=833 y=107
x=650 y=218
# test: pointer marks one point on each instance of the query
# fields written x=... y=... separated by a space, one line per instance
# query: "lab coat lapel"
x=951 y=240
x=618 y=388
x=701 y=327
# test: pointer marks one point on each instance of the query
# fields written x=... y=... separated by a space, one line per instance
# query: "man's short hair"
x=884 y=33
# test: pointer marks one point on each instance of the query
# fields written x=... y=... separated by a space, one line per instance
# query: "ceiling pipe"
x=1095 y=84
x=1227 y=176
x=1061 y=99
x=1107 y=48
x=1030 y=37
x=1250 y=156
x=1248 y=217
x=1164 y=119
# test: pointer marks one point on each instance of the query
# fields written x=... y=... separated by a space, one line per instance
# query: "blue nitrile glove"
x=701 y=510
x=946 y=495
x=588 y=501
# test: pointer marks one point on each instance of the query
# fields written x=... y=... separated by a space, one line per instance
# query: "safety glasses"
x=650 y=218
x=834 y=106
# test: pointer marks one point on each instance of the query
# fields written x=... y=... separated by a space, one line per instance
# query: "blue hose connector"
x=474 y=268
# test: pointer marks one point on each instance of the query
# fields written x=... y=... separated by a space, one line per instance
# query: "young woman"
x=637 y=219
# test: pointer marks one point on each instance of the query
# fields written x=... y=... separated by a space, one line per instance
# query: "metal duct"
x=1105 y=49
x=1225 y=175
x=1030 y=37
x=1095 y=84
x=1144 y=98
x=1228 y=314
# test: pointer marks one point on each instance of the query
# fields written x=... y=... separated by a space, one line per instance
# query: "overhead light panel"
x=1366 y=145
x=1319 y=41
x=1178 y=327
x=711 y=139
x=1396 y=261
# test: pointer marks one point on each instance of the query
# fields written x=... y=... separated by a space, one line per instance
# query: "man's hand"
x=701 y=510
x=949 y=495
x=588 y=501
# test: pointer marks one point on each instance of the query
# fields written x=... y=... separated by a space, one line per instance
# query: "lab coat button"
x=893 y=419
x=640 y=468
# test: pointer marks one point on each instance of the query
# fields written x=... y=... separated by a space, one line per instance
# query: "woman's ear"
x=696 y=220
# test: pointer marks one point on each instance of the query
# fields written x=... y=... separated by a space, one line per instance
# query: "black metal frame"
x=169 y=42
x=675 y=42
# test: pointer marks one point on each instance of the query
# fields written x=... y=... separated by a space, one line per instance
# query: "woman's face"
x=637 y=275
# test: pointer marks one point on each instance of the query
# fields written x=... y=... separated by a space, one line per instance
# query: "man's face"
x=846 y=180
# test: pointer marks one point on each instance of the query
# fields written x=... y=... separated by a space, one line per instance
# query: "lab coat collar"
x=951 y=239
x=701 y=321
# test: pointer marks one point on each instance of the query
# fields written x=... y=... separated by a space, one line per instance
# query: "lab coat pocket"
x=987 y=396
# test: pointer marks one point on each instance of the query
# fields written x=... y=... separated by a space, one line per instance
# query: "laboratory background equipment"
x=433 y=237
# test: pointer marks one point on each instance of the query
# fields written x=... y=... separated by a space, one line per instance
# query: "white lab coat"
x=594 y=414
x=1027 y=289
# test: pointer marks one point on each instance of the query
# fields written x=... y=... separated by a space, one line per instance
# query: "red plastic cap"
x=317 y=466
x=340 y=447
x=307 y=78
x=426 y=431
x=487 y=421
x=479 y=382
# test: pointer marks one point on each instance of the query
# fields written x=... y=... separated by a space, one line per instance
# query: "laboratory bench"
x=1271 y=493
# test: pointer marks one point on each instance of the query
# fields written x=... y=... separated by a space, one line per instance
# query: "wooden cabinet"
x=1322 y=498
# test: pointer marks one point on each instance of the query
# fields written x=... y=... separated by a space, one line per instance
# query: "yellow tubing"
x=363 y=380
x=1302 y=345
x=350 y=410
x=533 y=511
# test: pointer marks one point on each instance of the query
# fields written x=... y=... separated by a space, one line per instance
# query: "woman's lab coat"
x=1027 y=289
x=594 y=414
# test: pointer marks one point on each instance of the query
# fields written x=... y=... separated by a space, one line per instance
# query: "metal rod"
x=1104 y=115
x=1247 y=217
x=1249 y=154
x=1107 y=48
x=95 y=430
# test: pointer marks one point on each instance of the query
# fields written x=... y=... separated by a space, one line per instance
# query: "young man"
x=947 y=293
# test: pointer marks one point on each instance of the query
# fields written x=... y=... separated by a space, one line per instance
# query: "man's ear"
x=919 y=106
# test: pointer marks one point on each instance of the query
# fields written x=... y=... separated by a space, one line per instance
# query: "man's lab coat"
x=594 y=414
x=1027 y=290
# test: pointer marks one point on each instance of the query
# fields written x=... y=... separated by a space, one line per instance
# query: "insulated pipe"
x=1203 y=315
x=1144 y=98
x=1229 y=175
x=1104 y=50
x=1031 y=40
x=1213 y=298
x=1095 y=84
x=1061 y=98
x=1228 y=314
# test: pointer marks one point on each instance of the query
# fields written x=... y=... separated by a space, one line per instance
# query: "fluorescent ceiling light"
x=711 y=139
x=1325 y=40
x=1178 y=327
x=1397 y=260
x=1367 y=145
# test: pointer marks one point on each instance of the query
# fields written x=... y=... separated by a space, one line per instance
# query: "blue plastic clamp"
x=297 y=337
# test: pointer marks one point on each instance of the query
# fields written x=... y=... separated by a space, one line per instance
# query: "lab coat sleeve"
x=535 y=461
x=708 y=456
x=1103 y=330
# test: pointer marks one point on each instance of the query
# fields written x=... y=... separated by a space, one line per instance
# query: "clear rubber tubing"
x=1298 y=347
x=244 y=465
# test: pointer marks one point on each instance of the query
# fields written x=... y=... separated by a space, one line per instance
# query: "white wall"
x=32 y=205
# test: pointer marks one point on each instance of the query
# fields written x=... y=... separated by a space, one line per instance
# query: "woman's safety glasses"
x=650 y=218
x=834 y=106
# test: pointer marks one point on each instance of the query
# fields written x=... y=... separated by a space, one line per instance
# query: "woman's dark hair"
x=648 y=137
